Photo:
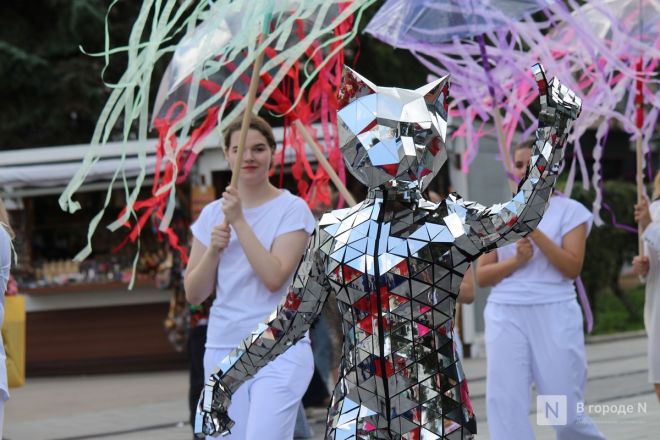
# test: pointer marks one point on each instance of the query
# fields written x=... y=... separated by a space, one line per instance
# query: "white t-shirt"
x=538 y=281
x=242 y=300
x=5 y=264
x=652 y=232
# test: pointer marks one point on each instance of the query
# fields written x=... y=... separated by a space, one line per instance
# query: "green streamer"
x=157 y=25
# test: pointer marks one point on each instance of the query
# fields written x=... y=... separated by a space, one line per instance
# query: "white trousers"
x=2 y=416
x=265 y=407
x=541 y=344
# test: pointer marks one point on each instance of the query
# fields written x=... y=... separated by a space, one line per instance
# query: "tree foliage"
x=53 y=92
x=610 y=247
x=381 y=63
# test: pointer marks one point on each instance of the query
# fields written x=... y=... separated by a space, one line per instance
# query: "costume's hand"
x=220 y=237
x=231 y=205
x=640 y=266
x=557 y=100
x=212 y=418
x=524 y=251
x=559 y=104
x=642 y=213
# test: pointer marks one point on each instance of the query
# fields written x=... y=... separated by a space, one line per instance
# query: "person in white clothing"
x=534 y=332
x=648 y=266
x=250 y=264
x=6 y=235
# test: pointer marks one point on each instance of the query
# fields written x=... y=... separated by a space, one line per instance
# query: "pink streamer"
x=592 y=48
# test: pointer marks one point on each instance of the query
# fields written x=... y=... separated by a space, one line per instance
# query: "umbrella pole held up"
x=245 y=123
x=639 y=101
x=325 y=164
x=640 y=192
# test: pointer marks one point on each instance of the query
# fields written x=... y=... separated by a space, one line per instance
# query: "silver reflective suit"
x=395 y=263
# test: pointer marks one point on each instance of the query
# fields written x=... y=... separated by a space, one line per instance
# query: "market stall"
x=81 y=317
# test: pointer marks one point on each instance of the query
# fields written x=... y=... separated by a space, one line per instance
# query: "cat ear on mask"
x=353 y=86
x=436 y=93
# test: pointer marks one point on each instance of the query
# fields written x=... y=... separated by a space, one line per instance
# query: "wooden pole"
x=325 y=164
x=639 y=104
x=245 y=123
x=640 y=191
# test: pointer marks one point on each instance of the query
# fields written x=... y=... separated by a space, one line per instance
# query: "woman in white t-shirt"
x=6 y=235
x=250 y=264
x=648 y=218
x=534 y=330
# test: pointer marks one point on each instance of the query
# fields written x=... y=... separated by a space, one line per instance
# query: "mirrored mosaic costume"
x=395 y=263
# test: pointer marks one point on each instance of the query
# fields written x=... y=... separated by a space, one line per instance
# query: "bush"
x=609 y=247
x=612 y=318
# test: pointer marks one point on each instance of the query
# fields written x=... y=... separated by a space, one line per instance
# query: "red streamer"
x=317 y=104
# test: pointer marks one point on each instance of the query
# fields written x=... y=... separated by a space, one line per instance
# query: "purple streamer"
x=616 y=224
x=584 y=302
x=590 y=46
x=613 y=219
x=484 y=62
x=649 y=164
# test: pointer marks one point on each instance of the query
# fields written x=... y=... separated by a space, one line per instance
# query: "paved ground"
x=153 y=406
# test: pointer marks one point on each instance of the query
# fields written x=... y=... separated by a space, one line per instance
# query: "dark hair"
x=529 y=143
x=257 y=123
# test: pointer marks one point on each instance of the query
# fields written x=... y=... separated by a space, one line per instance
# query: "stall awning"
x=59 y=174
x=47 y=170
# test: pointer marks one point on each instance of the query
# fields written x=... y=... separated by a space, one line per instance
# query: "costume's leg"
x=508 y=377
x=346 y=418
x=276 y=392
x=339 y=425
x=238 y=410
x=559 y=363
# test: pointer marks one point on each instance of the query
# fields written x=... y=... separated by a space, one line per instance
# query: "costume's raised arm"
x=505 y=223
x=285 y=326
